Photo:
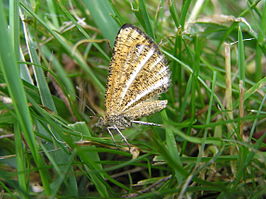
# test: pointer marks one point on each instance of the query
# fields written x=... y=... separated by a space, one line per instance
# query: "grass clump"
x=54 y=63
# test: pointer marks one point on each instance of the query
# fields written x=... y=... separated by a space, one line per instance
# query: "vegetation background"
x=54 y=59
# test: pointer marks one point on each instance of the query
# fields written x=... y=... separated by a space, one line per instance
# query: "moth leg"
x=121 y=134
x=146 y=123
x=109 y=131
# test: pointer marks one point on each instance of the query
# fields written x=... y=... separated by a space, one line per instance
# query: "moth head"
x=101 y=122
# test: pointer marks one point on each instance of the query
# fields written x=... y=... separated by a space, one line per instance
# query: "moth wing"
x=138 y=71
x=149 y=78
x=128 y=39
x=145 y=108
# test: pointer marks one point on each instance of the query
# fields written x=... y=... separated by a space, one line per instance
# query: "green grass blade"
x=184 y=13
x=241 y=56
x=143 y=17
x=14 y=25
x=21 y=163
x=259 y=52
x=103 y=16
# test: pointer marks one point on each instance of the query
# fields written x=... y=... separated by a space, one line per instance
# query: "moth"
x=138 y=74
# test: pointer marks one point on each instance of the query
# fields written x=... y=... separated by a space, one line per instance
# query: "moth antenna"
x=86 y=106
